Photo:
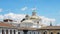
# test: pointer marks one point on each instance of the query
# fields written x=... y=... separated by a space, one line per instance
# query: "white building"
x=29 y=23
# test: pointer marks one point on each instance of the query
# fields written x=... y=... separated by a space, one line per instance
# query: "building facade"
x=28 y=25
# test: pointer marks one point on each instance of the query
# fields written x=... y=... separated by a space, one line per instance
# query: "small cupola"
x=34 y=13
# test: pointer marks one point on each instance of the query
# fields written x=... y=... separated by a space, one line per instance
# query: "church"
x=28 y=25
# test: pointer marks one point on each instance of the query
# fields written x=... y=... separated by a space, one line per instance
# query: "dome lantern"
x=34 y=12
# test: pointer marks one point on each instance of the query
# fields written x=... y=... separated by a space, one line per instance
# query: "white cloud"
x=34 y=8
x=12 y=16
x=46 y=20
x=1 y=17
x=18 y=17
x=58 y=24
x=1 y=9
x=24 y=8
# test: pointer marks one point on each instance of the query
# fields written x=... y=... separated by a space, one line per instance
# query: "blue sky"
x=47 y=8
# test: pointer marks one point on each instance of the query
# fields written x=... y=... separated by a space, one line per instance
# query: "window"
x=14 y=32
x=34 y=32
x=45 y=32
x=6 y=31
x=30 y=32
x=3 y=32
x=58 y=33
x=10 y=31
x=18 y=32
x=51 y=33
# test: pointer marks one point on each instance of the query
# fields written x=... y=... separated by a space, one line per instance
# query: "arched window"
x=45 y=32
x=18 y=32
x=14 y=32
x=6 y=31
x=38 y=33
x=3 y=32
x=10 y=31
x=34 y=32
x=51 y=33
x=58 y=33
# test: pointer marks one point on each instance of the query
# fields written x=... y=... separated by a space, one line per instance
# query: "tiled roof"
x=2 y=24
x=5 y=25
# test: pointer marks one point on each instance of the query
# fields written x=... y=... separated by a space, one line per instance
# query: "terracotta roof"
x=51 y=27
x=5 y=25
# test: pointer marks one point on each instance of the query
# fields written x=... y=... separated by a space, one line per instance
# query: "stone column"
x=32 y=32
x=48 y=32
x=41 y=32
x=8 y=31
x=16 y=31
x=1 y=31
x=54 y=32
